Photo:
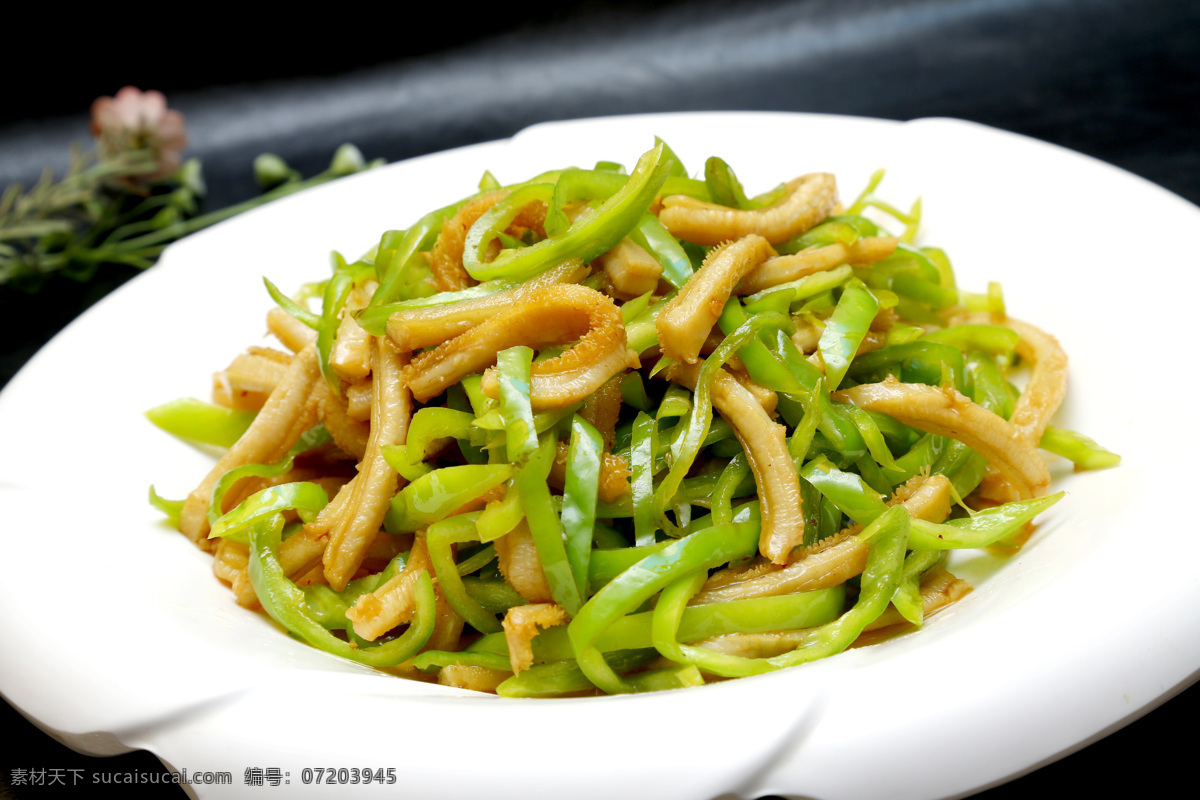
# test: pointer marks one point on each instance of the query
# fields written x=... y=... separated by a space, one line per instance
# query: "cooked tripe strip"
x=830 y=562
x=686 y=320
x=250 y=378
x=630 y=268
x=475 y=678
x=349 y=434
x=518 y=560
x=446 y=262
x=286 y=414
x=293 y=333
x=352 y=532
x=351 y=355
x=1047 y=384
x=414 y=328
x=447 y=623
x=375 y=613
x=782 y=269
x=555 y=314
x=939 y=589
x=947 y=412
x=521 y=624
x=603 y=409
x=809 y=200
x=230 y=562
x=765 y=443
x=614 y=473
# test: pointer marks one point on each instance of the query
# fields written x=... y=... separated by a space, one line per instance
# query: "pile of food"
x=602 y=432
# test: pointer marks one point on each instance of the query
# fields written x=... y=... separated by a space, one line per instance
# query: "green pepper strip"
x=800 y=289
x=701 y=550
x=640 y=332
x=735 y=474
x=500 y=517
x=513 y=369
x=845 y=490
x=306 y=499
x=845 y=330
x=995 y=340
x=689 y=186
x=642 y=451
x=492 y=223
x=588 y=236
x=397 y=248
x=202 y=422
x=439 y=493
x=834 y=421
x=579 y=496
x=429 y=428
x=986 y=382
x=292 y=307
x=667 y=615
x=431 y=660
x=876 y=445
x=907 y=599
x=1086 y=453
x=546 y=527
x=922 y=361
x=313 y=437
x=920 y=457
x=764 y=366
x=653 y=237
x=606 y=565
x=559 y=678
x=329 y=608
x=723 y=184
x=575 y=186
x=881 y=576
x=687 y=446
x=494 y=594
x=170 y=508
x=938 y=257
x=633 y=392
x=982 y=528
x=285 y=602
x=438 y=538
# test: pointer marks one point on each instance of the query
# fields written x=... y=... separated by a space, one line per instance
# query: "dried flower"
x=136 y=120
x=125 y=201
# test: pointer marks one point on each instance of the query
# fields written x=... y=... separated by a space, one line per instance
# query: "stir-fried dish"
x=601 y=432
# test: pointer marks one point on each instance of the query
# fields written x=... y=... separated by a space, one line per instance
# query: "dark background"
x=1116 y=79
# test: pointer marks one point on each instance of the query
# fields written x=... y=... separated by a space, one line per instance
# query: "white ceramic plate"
x=116 y=635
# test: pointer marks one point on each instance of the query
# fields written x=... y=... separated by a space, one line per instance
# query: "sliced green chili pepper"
x=512 y=367
x=588 y=236
x=438 y=538
x=1078 y=448
x=546 y=527
x=285 y=602
x=845 y=330
x=701 y=550
x=559 y=678
x=440 y=493
x=982 y=528
x=306 y=499
x=202 y=422
x=579 y=497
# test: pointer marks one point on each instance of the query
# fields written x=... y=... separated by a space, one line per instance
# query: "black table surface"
x=1116 y=79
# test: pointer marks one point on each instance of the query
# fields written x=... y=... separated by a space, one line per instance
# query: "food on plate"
x=600 y=432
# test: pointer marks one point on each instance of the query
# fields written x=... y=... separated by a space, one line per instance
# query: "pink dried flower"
x=137 y=120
